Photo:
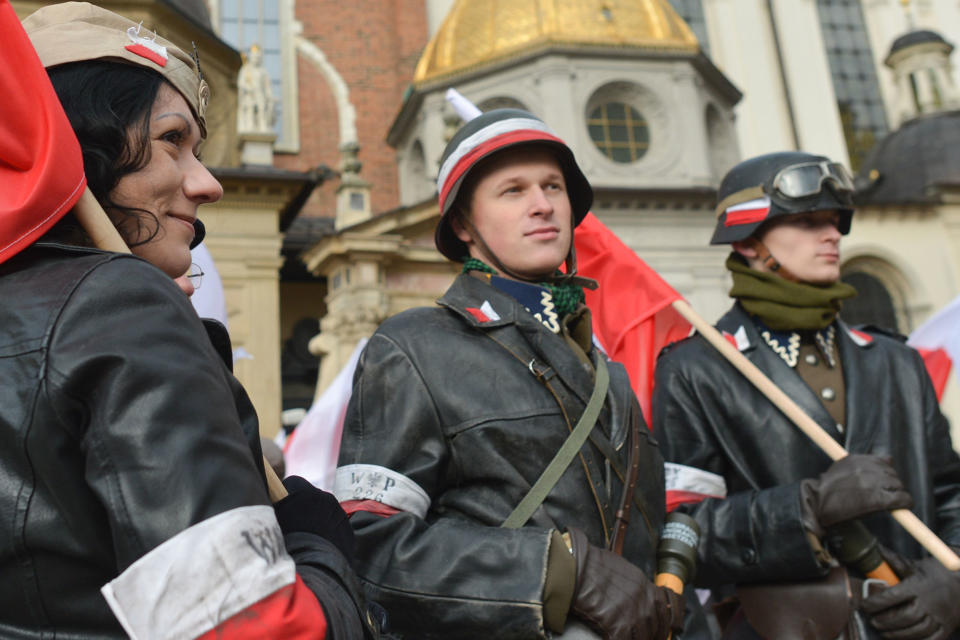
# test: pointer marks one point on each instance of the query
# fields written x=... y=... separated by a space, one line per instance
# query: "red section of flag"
x=146 y=52
x=631 y=309
x=745 y=216
x=370 y=506
x=291 y=612
x=938 y=366
x=478 y=314
x=41 y=168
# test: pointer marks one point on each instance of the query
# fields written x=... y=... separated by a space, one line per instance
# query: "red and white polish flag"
x=938 y=341
x=632 y=314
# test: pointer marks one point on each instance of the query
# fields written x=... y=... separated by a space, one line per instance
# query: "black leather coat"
x=119 y=428
x=438 y=403
x=706 y=415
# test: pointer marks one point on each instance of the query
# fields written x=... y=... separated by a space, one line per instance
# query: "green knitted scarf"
x=782 y=304
x=566 y=297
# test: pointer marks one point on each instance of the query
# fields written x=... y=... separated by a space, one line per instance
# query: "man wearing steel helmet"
x=774 y=511
x=458 y=409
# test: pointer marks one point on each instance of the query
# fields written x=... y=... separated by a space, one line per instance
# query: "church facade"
x=327 y=225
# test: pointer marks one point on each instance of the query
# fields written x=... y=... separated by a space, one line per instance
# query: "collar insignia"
x=785 y=345
x=826 y=342
x=860 y=338
x=487 y=308
x=537 y=300
x=485 y=313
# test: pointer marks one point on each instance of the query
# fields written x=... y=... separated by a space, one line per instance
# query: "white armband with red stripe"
x=233 y=563
x=363 y=482
x=691 y=485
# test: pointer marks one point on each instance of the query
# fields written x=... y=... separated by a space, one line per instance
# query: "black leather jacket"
x=119 y=428
x=708 y=416
x=465 y=427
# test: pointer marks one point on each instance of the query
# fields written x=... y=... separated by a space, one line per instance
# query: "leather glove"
x=312 y=510
x=615 y=597
x=851 y=487
x=922 y=607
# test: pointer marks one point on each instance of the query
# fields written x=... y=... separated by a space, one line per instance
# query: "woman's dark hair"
x=108 y=105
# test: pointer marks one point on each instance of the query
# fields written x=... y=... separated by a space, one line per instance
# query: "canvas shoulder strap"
x=578 y=436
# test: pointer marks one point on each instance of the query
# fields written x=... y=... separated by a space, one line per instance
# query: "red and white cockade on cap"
x=146 y=48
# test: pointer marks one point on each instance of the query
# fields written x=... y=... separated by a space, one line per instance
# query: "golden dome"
x=478 y=33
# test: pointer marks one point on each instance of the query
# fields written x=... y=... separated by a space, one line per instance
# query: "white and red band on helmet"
x=497 y=134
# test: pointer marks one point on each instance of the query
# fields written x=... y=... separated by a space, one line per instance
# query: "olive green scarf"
x=782 y=304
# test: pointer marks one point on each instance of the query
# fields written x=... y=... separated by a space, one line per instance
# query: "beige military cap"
x=78 y=31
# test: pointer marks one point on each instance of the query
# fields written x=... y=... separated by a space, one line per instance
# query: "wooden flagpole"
x=104 y=235
x=914 y=526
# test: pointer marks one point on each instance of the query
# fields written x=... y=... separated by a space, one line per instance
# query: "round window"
x=619 y=131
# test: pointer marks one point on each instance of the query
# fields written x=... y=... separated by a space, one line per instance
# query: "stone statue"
x=256 y=104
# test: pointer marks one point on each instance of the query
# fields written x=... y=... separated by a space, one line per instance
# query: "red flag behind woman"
x=41 y=168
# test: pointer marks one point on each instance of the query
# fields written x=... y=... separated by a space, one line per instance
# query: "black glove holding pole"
x=924 y=606
x=853 y=486
x=617 y=599
x=311 y=510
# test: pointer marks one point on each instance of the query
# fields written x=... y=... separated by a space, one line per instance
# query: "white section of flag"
x=314 y=446
x=209 y=300
x=464 y=108
x=941 y=331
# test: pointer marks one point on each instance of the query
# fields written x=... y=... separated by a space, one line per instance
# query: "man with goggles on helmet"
x=774 y=511
x=458 y=409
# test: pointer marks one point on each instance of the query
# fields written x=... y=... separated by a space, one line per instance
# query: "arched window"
x=873 y=303
x=266 y=23
x=885 y=297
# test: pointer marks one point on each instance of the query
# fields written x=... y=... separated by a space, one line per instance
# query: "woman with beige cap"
x=132 y=494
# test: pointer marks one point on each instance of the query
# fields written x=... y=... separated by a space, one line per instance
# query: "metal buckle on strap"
x=542 y=372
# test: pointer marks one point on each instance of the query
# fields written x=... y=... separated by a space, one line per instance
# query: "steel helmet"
x=779 y=184
x=480 y=138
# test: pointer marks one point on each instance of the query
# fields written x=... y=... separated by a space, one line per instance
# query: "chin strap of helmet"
x=570 y=277
x=769 y=261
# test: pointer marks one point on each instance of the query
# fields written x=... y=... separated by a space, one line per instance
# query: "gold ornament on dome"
x=480 y=33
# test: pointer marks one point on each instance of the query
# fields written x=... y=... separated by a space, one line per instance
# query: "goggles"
x=807 y=178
